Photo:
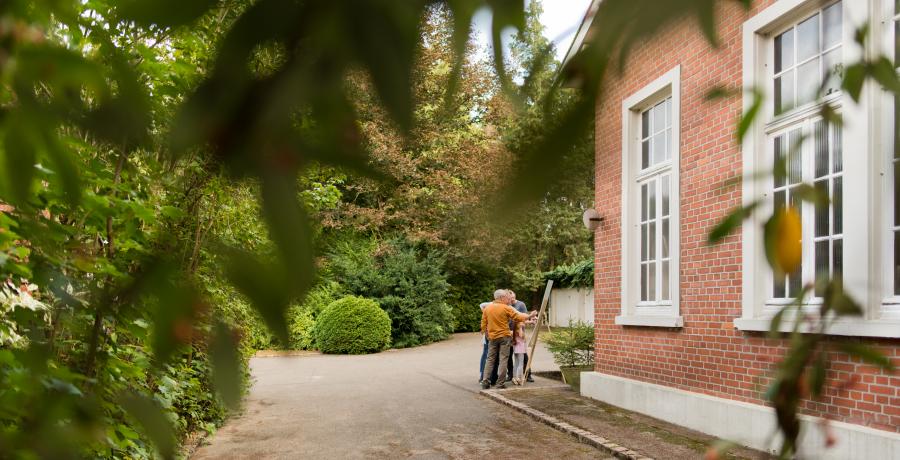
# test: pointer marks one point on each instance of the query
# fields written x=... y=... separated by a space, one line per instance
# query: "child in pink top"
x=519 y=354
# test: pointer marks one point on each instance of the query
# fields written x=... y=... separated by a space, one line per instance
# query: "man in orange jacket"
x=495 y=325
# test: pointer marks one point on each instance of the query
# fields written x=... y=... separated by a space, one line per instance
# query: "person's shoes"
x=485 y=385
x=500 y=386
x=529 y=379
x=509 y=379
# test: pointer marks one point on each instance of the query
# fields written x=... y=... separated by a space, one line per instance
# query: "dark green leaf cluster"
x=469 y=287
x=408 y=281
x=578 y=275
x=353 y=325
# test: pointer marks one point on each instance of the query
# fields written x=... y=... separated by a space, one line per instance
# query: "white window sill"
x=847 y=327
x=650 y=320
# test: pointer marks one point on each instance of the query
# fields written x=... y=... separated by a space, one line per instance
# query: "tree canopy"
x=173 y=171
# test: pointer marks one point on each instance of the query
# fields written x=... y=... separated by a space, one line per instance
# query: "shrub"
x=353 y=325
x=469 y=288
x=320 y=297
x=466 y=316
x=573 y=346
x=301 y=326
x=408 y=281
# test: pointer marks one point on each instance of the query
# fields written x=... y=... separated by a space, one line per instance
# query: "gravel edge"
x=581 y=435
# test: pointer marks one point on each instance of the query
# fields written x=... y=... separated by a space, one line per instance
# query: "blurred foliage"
x=353 y=325
x=161 y=160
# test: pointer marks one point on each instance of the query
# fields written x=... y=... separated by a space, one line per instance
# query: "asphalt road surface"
x=418 y=403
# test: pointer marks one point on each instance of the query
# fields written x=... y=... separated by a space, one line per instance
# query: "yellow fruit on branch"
x=788 y=234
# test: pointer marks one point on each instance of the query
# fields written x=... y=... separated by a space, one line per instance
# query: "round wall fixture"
x=591 y=219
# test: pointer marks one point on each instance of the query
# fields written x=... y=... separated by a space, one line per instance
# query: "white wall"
x=566 y=303
x=751 y=425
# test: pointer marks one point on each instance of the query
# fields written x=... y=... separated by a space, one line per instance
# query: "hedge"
x=578 y=275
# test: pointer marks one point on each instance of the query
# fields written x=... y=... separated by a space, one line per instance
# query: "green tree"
x=117 y=119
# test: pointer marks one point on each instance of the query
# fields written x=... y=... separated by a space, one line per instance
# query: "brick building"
x=680 y=325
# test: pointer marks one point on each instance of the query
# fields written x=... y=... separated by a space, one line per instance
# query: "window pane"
x=645 y=124
x=837 y=206
x=778 y=288
x=808 y=81
x=659 y=148
x=838 y=259
x=643 y=282
x=669 y=146
x=832 y=71
x=651 y=281
x=808 y=38
x=822 y=263
x=896 y=193
x=896 y=263
x=665 y=281
x=659 y=117
x=664 y=186
x=794 y=283
x=668 y=112
x=651 y=241
x=784 y=50
x=779 y=149
x=645 y=154
x=831 y=25
x=822 y=211
x=795 y=169
x=779 y=199
x=643 y=242
x=897 y=125
x=837 y=149
x=821 y=149
x=896 y=40
x=643 y=202
x=665 y=239
x=795 y=202
x=651 y=192
x=784 y=92
x=794 y=279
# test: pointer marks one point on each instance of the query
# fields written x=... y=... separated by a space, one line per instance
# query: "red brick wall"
x=707 y=355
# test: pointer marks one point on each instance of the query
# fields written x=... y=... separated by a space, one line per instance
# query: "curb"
x=583 y=436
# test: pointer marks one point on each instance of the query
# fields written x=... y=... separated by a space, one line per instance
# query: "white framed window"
x=817 y=161
x=804 y=55
x=795 y=51
x=650 y=204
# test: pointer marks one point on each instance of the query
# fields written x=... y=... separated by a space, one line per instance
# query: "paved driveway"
x=412 y=403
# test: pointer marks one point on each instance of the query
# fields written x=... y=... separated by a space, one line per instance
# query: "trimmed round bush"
x=353 y=325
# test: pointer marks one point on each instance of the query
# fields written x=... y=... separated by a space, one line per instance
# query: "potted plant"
x=573 y=350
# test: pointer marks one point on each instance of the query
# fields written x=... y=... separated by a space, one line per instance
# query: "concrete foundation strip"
x=583 y=436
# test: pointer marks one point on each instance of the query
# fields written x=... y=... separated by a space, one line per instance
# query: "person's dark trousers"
x=484 y=351
x=498 y=352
